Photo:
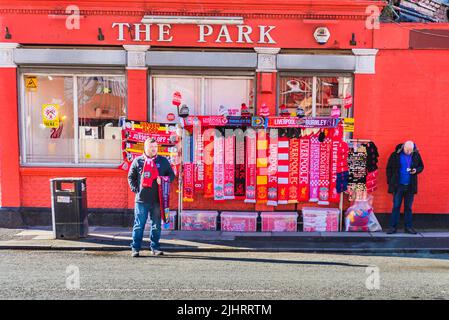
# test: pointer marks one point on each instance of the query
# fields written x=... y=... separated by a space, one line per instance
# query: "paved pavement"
x=118 y=239
x=221 y=275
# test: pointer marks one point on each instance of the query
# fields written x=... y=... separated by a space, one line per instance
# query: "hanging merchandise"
x=272 y=169
x=372 y=157
x=283 y=164
x=164 y=198
x=371 y=181
x=239 y=178
x=293 y=191
x=209 y=163
x=219 y=166
x=335 y=142
x=198 y=152
x=262 y=166
x=229 y=166
x=357 y=170
x=324 y=170
x=314 y=168
x=304 y=161
x=188 y=169
x=251 y=175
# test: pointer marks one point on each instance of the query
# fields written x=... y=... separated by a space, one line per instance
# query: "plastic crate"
x=199 y=220
x=239 y=221
x=320 y=219
x=279 y=221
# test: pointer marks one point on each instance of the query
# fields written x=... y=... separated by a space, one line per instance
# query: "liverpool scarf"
x=188 y=170
x=198 y=149
x=149 y=172
x=314 y=167
x=250 y=163
x=334 y=197
x=304 y=155
x=239 y=178
x=283 y=175
x=209 y=163
x=229 y=151
x=164 y=198
x=219 y=167
x=262 y=166
x=323 y=183
x=293 y=178
x=272 y=169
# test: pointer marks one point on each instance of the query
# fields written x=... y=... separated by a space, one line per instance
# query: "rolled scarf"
x=283 y=164
x=293 y=190
x=219 y=167
x=304 y=160
x=164 y=198
x=251 y=175
x=272 y=170
x=229 y=166
x=314 y=168
x=262 y=167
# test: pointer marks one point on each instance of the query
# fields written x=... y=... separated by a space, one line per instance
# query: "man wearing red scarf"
x=144 y=178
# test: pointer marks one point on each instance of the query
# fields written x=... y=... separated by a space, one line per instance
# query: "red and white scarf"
x=149 y=172
x=262 y=166
x=198 y=151
x=229 y=167
x=293 y=190
x=334 y=197
x=272 y=169
x=283 y=163
x=251 y=175
x=219 y=167
x=314 y=168
x=304 y=160
x=323 y=183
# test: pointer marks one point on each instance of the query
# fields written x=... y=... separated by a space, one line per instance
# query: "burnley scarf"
x=283 y=175
x=229 y=152
x=293 y=178
x=219 y=167
x=314 y=168
x=262 y=166
x=149 y=172
x=251 y=175
x=239 y=178
x=188 y=170
x=304 y=156
x=272 y=170
x=164 y=198
x=323 y=182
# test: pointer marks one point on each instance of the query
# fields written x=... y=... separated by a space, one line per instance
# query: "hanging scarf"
x=323 y=194
x=188 y=170
x=334 y=197
x=219 y=167
x=304 y=160
x=164 y=198
x=262 y=166
x=293 y=191
x=229 y=151
x=314 y=167
x=272 y=170
x=209 y=165
x=239 y=177
x=149 y=172
x=251 y=175
x=283 y=175
x=198 y=151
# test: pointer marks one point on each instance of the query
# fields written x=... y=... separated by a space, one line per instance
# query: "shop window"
x=317 y=95
x=203 y=95
x=72 y=119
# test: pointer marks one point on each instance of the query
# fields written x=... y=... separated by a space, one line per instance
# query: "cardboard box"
x=239 y=221
x=279 y=221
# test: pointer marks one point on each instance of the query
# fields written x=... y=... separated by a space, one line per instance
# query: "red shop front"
x=101 y=61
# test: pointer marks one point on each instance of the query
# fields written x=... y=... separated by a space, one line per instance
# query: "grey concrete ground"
x=220 y=275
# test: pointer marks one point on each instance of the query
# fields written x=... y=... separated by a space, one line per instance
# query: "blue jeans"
x=403 y=192
x=141 y=211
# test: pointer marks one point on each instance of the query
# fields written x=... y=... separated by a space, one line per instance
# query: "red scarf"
x=149 y=172
x=283 y=164
x=209 y=164
x=293 y=171
x=304 y=156
x=324 y=166
x=250 y=163
x=336 y=135
x=272 y=171
x=262 y=167
x=229 y=167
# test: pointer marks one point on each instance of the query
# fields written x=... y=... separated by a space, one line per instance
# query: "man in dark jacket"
x=403 y=167
x=143 y=178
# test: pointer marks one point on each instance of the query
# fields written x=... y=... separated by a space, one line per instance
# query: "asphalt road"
x=115 y=275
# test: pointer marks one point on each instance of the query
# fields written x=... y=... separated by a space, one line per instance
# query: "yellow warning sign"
x=348 y=125
x=50 y=115
x=31 y=83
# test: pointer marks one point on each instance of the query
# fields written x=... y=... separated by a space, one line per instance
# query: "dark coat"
x=148 y=195
x=394 y=164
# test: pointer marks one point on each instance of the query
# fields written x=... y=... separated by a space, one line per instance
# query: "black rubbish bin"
x=69 y=208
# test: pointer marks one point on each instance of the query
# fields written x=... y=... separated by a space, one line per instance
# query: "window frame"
x=68 y=72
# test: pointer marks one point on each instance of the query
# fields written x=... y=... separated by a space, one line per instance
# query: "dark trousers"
x=403 y=192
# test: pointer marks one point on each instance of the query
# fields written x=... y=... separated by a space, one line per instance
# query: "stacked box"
x=199 y=220
x=320 y=219
x=239 y=221
x=279 y=221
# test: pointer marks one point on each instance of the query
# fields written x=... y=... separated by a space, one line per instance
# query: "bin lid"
x=279 y=214
x=194 y=213
x=239 y=214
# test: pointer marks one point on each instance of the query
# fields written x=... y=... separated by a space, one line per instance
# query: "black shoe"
x=155 y=252
x=410 y=230
x=135 y=253
x=392 y=230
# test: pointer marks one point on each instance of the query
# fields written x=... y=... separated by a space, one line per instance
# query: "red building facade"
x=74 y=49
